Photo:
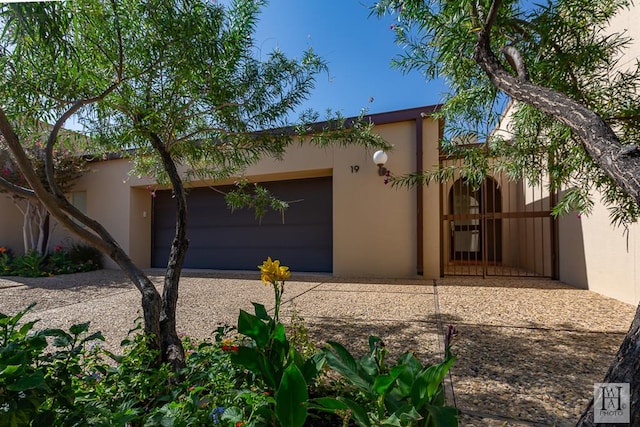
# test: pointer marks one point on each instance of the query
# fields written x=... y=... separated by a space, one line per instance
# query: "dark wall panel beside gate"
x=223 y=240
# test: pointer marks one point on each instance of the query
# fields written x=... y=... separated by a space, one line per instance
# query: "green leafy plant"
x=85 y=257
x=37 y=387
x=59 y=262
x=406 y=394
x=6 y=258
x=270 y=356
x=30 y=265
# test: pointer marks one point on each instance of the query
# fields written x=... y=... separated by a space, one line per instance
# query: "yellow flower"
x=272 y=271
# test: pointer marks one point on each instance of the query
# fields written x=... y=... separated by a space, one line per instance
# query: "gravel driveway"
x=529 y=350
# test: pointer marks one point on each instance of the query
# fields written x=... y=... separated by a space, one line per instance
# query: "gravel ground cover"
x=529 y=350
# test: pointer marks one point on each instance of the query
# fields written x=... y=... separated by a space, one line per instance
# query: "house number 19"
x=355 y=168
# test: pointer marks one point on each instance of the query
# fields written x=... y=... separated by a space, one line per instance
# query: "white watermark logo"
x=611 y=403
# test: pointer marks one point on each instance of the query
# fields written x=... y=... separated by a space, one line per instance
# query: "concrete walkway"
x=528 y=350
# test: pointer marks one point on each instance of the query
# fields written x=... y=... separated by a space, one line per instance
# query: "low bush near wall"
x=258 y=374
x=73 y=259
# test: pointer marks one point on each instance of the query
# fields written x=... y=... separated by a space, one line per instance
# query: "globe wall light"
x=380 y=158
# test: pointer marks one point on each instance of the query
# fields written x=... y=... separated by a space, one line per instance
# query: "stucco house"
x=342 y=218
x=345 y=221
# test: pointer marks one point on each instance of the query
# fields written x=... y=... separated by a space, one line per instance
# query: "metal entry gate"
x=500 y=228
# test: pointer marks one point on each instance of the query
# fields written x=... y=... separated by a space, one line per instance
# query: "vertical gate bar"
x=443 y=185
x=497 y=225
x=512 y=238
x=526 y=233
x=471 y=271
x=542 y=233
x=555 y=264
x=533 y=233
x=483 y=227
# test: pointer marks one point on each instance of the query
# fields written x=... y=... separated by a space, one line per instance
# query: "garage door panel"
x=221 y=239
x=295 y=236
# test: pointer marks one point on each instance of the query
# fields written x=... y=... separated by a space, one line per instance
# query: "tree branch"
x=516 y=61
x=16 y=189
x=599 y=140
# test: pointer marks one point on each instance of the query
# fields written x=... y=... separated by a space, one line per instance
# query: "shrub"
x=61 y=261
x=6 y=258
x=38 y=386
x=30 y=264
x=86 y=257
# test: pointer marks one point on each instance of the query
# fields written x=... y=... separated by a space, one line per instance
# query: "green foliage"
x=276 y=365
x=38 y=387
x=75 y=259
x=405 y=394
x=566 y=46
x=29 y=265
x=6 y=258
x=261 y=380
x=299 y=334
x=255 y=197
x=85 y=257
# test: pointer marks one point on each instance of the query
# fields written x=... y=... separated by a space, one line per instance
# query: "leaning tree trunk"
x=90 y=231
x=624 y=369
x=622 y=164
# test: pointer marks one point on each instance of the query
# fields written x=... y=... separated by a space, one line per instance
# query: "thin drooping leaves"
x=565 y=46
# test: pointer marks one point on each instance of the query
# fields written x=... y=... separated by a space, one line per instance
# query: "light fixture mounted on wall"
x=380 y=158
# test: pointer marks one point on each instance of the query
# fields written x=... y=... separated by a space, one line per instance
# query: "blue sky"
x=357 y=48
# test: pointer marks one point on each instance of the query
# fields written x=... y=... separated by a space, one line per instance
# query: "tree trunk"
x=603 y=145
x=44 y=220
x=624 y=369
x=172 y=349
x=90 y=231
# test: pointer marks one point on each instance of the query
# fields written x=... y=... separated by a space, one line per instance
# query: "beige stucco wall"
x=594 y=254
x=374 y=225
x=11 y=225
x=599 y=257
x=431 y=134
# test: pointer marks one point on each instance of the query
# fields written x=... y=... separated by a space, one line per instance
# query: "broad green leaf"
x=270 y=373
x=327 y=404
x=96 y=336
x=25 y=328
x=247 y=357
x=261 y=311
x=10 y=370
x=405 y=378
x=392 y=420
x=369 y=366
x=79 y=328
x=442 y=416
x=290 y=398
x=253 y=327
x=27 y=382
x=343 y=362
x=279 y=333
x=407 y=414
x=428 y=382
x=382 y=384
x=358 y=413
x=312 y=366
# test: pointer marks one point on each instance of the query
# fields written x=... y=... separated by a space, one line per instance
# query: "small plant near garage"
x=261 y=373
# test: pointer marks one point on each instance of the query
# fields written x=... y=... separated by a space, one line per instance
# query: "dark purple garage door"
x=223 y=240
